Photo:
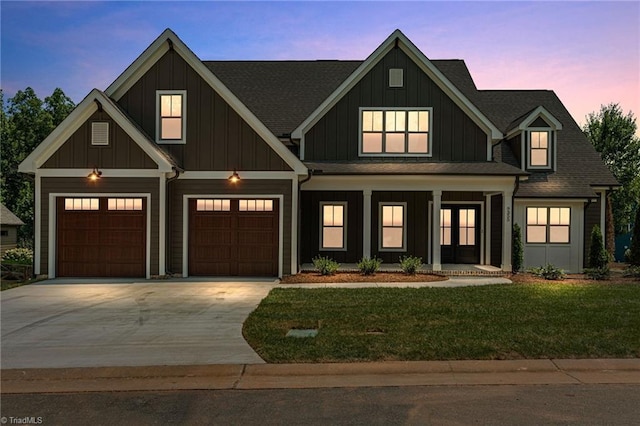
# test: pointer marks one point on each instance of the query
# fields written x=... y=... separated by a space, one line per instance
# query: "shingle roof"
x=399 y=168
x=8 y=218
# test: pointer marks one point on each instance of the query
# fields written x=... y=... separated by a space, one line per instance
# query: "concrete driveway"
x=58 y=324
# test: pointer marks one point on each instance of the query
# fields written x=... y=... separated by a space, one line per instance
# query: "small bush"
x=517 y=258
x=632 y=271
x=548 y=272
x=598 y=256
x=598 y=274
x=325 y=265
x=20 y=256
x=369 y=266
x=410 y=264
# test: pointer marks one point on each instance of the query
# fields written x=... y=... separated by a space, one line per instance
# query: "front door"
x=460 y=234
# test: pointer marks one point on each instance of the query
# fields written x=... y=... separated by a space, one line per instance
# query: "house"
x=9 y=224
x=252 y=168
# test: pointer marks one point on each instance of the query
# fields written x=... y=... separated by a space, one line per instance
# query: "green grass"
x=492 y=322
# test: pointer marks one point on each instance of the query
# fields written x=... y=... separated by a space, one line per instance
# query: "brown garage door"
x=101 y=237
x=231 y=237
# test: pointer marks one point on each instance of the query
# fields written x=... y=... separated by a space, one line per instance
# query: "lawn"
x=550 y=320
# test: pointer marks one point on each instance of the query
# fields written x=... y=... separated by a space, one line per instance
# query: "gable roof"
x=8 y=218
x=397 y=38
x=78 y=116
x=524 y=121
x=169 y=40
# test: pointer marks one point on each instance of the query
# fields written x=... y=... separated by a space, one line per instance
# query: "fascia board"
x=542 y=112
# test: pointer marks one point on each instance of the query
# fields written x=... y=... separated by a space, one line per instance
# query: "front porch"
x=449 y=270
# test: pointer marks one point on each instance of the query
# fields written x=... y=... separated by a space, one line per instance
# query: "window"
x=396 y=77
x=171 y=121
x=124 y=204
x=4 y=233
x=256 y=205
x=445 y=227
x=334 y=223
x=395 y=132
x=467 y=227
x=82 y=204
x=213 y=205
x=100 y=133
x=548 y=225
x=539 y=152
x=392 y=226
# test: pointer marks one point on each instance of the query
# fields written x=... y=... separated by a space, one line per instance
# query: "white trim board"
x=53 y=216
x=185 y=224
x=223 y=175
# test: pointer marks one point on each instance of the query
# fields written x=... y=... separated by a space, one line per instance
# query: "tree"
x=613 y=135
x=25 y=122
x=598 y=256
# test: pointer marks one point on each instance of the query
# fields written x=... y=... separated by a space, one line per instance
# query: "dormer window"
x=171 y=116
x=539 y=148
x=395 y=132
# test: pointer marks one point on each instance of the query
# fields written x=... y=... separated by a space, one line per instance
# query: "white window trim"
x=404 y=226
x=550 y=147
x=183 y=93
x=344 y=225
x=396 y=154
x=547 y=225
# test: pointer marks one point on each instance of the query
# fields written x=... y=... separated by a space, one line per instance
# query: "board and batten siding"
x=455 y=136
x=217 y=138
x=177 y=189
x=121 y=153
x=110 y=185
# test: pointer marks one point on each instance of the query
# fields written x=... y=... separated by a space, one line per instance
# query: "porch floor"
x=448 y=269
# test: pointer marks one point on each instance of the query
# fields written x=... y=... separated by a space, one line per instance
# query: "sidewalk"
x=290 y=376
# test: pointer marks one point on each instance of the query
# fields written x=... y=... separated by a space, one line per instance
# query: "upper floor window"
x=540 y=149
x=395 y=132
x=171 y=116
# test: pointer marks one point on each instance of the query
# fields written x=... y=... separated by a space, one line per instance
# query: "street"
x=412 y=405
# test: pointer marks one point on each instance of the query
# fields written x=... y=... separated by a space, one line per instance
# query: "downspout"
x=167 y=208
x=307 y=179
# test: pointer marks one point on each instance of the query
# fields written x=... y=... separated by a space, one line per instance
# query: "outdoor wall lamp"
x=235 y=177
x=95 y=174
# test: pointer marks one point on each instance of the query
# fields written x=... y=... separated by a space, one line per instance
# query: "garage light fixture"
x=235 y=177
x=95 y=174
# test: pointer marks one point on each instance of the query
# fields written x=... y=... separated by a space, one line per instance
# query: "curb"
x=339 y=375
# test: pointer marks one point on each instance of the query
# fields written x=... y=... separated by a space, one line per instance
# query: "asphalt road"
x=419 y=405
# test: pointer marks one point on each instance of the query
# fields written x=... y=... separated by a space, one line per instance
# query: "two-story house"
x=252 y=168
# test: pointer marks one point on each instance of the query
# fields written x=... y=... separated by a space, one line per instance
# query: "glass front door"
x=460 y=234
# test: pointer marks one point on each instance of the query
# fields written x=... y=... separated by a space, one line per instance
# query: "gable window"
x=393 y=234
x=171 y=116
x=100 y=133
x=395 y=132
x=334 y=224
x=539 y=149
x=548 y=225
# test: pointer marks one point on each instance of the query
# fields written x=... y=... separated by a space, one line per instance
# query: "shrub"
x=325 y=265
x=21 y=256
x=598 y=256
x=410 y=264
x=517 y=255
x=369 y=266
x=548 y=272
x=632 y=271
x=634 y=250
x=627 y=256
x=602 y=273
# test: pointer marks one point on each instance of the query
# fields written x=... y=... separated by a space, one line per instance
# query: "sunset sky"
x=588 y=52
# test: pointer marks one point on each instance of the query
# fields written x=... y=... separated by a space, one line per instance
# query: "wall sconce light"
x=95 y=174
x=235 y=177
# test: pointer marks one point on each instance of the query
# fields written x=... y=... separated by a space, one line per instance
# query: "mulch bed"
x=355 y=277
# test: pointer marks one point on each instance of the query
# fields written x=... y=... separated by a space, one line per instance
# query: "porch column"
x=487 y=230
x=507 y=224
x=366 y=223
x=435 y=232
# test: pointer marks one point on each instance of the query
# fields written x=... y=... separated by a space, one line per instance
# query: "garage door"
x=101 y=237
x=233 y=237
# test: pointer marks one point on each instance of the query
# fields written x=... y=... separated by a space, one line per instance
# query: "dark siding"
x=104 y=185
x=417 y=224
x=180 y=187
x=217 y=137
x=121 y=153
x=461 y=196
x=539 y=122
x=310 y=226
x=455 y=136
x=591 y=219
x=516 y=146
x=496 y=230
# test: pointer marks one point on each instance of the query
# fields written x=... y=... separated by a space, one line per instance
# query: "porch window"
x=392 y=226
x=171 y=113
x=539 y=149
x=333 y=230
x=395 y=132
x=548 y=225
x=445 y=227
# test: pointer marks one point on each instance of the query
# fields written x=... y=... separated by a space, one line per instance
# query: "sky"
x=587 y=52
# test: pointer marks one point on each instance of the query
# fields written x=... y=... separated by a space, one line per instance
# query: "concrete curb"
x=296 y=376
